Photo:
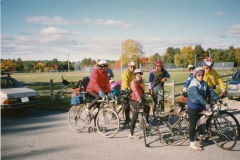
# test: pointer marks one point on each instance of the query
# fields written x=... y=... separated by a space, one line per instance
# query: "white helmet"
x=191 y=66
x=131 y=64
x=138 y=71
x=111 y=80
x=102 y=63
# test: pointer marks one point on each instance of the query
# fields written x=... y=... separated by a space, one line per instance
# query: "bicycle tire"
x=55 y=96
x=173 y=129
x=232 y=119
x=144 y=130
x=222 y=133
x=76 y=118
x=107 y=122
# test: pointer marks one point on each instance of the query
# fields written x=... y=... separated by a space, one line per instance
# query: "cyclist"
x=98 y=84
x=127 y=78
x=157 y=77
x=115 y=86
x=197 y=101
x=212 y=77
x=109 y=71
x=138 y=88
x=190 y=68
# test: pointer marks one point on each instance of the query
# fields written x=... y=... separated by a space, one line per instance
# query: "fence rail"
x=226 y=78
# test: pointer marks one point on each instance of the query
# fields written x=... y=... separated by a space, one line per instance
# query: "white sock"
x=192 y=144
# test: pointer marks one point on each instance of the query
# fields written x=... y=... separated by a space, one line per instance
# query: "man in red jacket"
x=98 y=84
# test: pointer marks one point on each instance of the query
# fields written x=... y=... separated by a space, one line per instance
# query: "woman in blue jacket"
x=199 y=91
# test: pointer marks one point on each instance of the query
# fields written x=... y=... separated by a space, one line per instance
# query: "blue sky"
x=48 y=29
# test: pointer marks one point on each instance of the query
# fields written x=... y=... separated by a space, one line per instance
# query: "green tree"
x=170 y=53
x=198 y=52
x=19 y=65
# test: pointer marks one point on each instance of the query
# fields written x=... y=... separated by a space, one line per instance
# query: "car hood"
x=234 y=82
x=18 y=92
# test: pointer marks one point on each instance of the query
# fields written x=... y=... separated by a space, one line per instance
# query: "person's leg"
x=94 y=101
x=193 y=118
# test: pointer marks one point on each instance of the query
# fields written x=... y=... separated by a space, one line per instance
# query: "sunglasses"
x=200 y=75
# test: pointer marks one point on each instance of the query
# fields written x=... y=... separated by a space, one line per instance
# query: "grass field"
x=44 y=90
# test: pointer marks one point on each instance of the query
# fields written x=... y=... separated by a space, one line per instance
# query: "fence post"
x=173 y=92
x=51 y=88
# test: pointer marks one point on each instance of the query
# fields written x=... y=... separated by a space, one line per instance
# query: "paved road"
x=44 y=134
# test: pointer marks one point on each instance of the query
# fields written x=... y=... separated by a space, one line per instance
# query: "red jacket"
x=137 y=93
x=99 y=82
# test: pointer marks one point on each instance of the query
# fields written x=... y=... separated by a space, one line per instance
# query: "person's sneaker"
x=194 y=147
x=127 y=122
x=206 y=112
x=131 y=137
x=148 y=126
x=87 y=112
x=198 y=144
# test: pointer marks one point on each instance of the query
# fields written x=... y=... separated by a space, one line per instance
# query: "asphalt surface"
x=45 y=134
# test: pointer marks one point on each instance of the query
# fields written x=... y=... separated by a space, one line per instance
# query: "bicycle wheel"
x=232 y=119
x=55 y=96
x=76 y=118
x=144 y=129
x=173 y=128
x=222 y=133
x=107 y=122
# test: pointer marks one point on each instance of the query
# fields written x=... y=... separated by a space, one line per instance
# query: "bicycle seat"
x=182 y=104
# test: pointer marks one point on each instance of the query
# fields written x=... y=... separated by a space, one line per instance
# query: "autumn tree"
x=184 y=58
x=131 y=51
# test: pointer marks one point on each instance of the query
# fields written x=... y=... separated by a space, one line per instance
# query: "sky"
x=77 y=29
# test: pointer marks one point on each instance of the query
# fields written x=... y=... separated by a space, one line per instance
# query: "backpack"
x=85 y=82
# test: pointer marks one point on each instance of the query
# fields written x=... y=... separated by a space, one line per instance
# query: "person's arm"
x=188 y=81
x=167 y=74
x=150 y=80
x=219 y=81
x=212 y=94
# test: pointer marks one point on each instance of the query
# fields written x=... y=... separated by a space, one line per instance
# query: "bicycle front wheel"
x=232 y=119
x=222 y=133
x=76 y=118
x=144 y=129
x=173 y=128
x=107 y=122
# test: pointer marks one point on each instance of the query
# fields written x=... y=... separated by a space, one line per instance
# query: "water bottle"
x=120 y=106
x=94 y=112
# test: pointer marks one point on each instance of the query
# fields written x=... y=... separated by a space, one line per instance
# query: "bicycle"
x=223 y=111
x=107 y=120
x=175 y=129
x=61 y=91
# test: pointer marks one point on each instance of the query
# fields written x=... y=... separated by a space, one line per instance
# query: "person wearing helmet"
x=137 y=98
x=98 y=84
x=190 y=68
x=127 y=78
x=115 y=86
x=212 y=77
x=157 y=77
x=110 y=72
x=199 y=90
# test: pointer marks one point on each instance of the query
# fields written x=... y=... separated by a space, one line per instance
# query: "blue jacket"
x=198 y=93
x=190 y=78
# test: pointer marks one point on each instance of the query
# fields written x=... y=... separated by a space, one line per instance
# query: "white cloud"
x=220 y=13
x=234 y=31
x=50 y=21
x=53 y=30
x=102 y=22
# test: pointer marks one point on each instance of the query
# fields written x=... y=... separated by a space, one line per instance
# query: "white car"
x=15 y=95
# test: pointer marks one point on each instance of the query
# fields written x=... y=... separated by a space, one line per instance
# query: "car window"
x=237 y=75
x=10 y=83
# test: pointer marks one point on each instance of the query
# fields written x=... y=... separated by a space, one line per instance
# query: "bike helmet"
x=190 y=67
x=208 y=62
x=138 y=71
x=198 y=70
x=131 y=64
x=102 y=63
x=159 y=64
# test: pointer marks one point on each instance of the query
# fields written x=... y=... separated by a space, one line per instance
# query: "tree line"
x=132 y=50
